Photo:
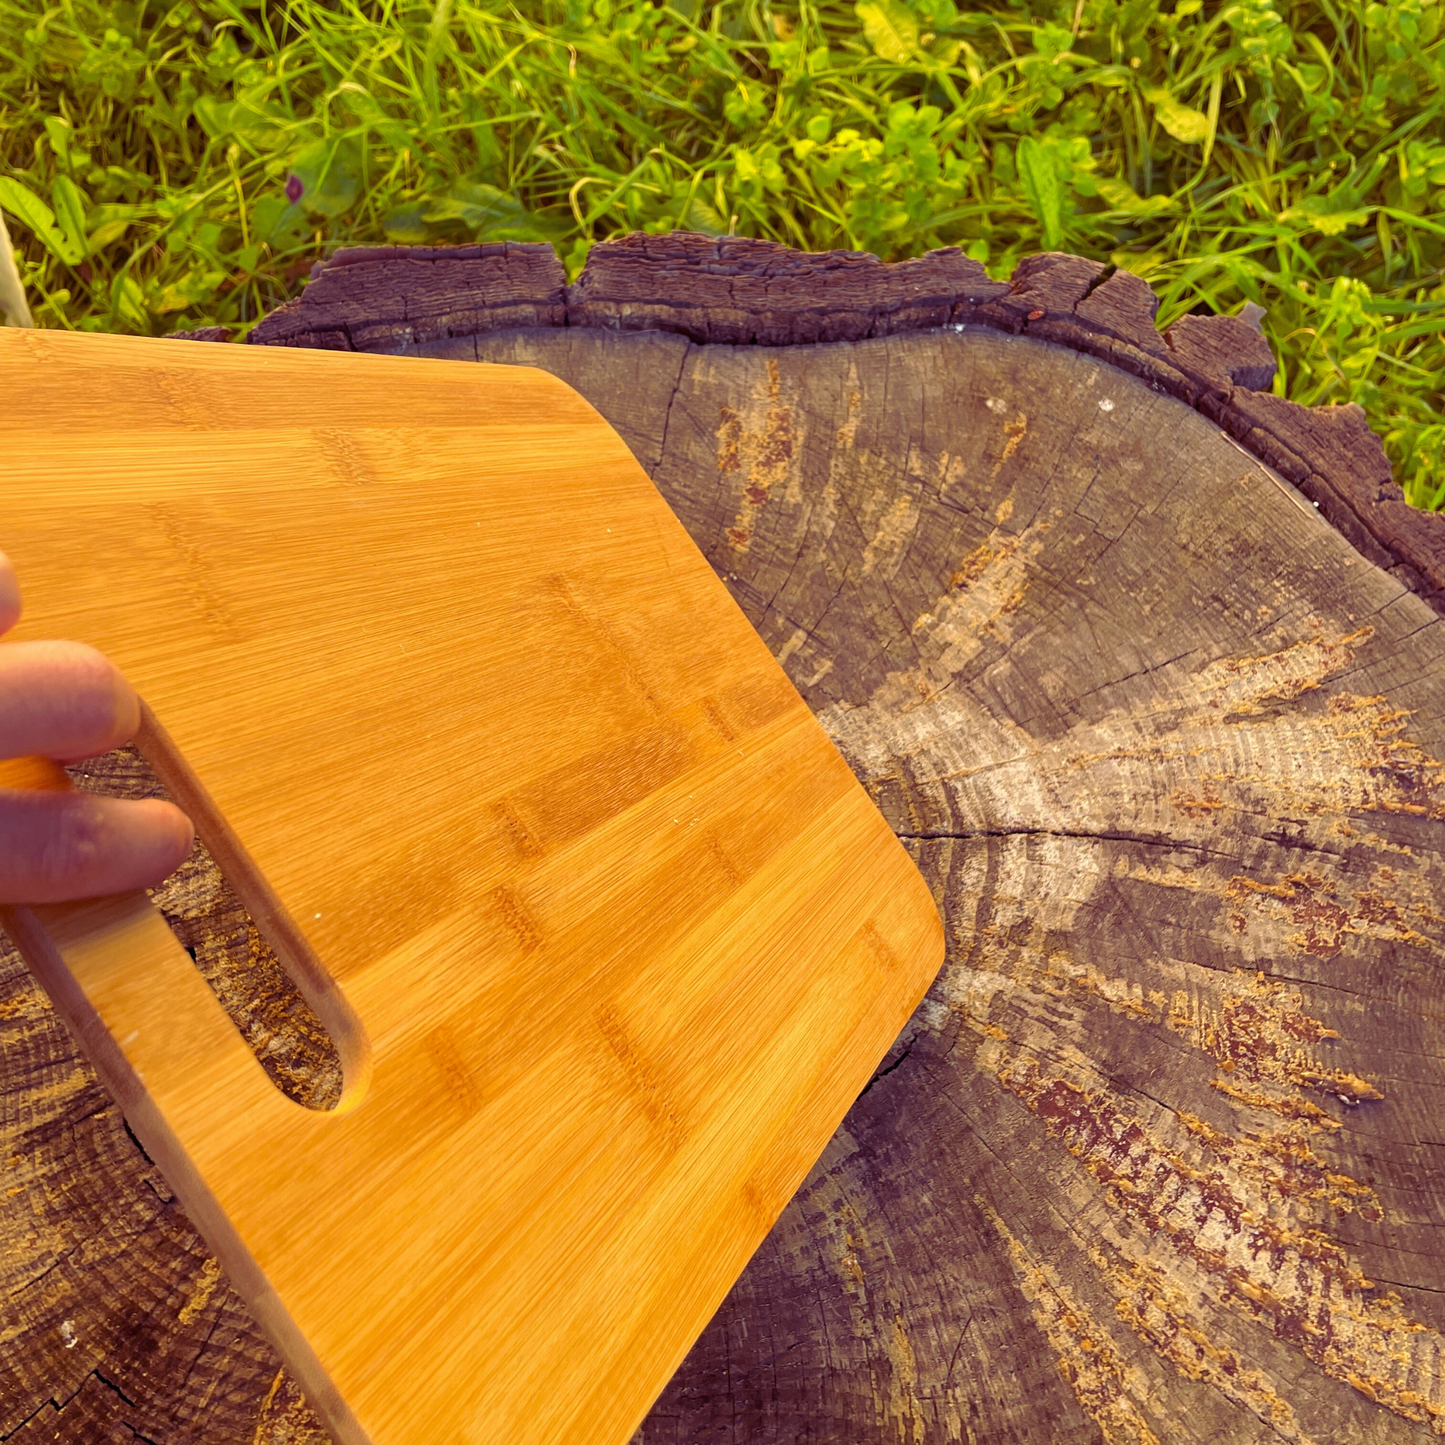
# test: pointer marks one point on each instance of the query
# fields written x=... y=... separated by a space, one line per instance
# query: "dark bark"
x=1145 y=667
x=364 y=298
x=749 y=292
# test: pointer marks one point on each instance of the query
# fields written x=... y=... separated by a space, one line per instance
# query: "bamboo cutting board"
x=599 y=1005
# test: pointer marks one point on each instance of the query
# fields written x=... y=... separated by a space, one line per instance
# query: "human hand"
x=66 y=701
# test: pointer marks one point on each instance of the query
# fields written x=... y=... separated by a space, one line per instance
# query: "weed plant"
x=168 y=165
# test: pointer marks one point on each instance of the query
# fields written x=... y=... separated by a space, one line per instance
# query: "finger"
x=59 y=846
x=9 y=595
x=63 y=700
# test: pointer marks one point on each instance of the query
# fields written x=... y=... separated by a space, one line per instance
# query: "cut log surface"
x=1146 y=667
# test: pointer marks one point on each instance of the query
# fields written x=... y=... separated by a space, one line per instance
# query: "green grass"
x=171 y=166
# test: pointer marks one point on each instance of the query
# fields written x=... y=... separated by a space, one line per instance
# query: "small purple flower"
x=294 y=188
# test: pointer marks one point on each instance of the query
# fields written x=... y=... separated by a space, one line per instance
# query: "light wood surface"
x=598 y=1011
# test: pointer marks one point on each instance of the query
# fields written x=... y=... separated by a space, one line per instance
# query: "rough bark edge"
x=735 y=291
x=201 y=333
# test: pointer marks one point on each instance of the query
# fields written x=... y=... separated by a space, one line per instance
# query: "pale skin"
x=66 y=701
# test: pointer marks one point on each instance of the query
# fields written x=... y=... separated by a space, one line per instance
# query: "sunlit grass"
x=168 y=166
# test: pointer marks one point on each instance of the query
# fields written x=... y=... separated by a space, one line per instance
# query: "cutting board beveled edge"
x=742 y=969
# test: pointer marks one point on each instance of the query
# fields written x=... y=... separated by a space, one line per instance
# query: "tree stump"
x=1145 y=666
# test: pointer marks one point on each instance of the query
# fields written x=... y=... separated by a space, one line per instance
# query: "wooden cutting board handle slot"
x=133 y=927
x=290 y=945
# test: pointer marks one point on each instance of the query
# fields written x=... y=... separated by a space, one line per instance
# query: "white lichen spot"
x=995 y=405
x=935 y=1014
x=67 y=1333
x=1106 y=404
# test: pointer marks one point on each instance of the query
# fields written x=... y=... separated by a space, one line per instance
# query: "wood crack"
x=1096 y=835
x=884 y=1072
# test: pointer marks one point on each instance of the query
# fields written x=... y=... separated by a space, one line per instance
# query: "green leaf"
x=106 y=233
x=33 y=213
x=260 y=125
x=128 y=303
x=61 y=135
x=1182 y=122
x=745 y=106
x=248 y=118
x=890 y=29
x=1039 y=176
x=111 y=223
x=213 y=116
x=1329 y=215
x=481 y=208
x=1121 y=196
x=1140 y=265
x=330 y=176
x=70 y=209
x=697 y=215
x=277 y=222
x=405 y=225
x=195 y=286
x=1053 y=40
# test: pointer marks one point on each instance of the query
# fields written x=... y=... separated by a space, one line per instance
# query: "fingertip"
x=184 y=835
x=161 y=838
x=105 y=709
x=10 y=603
x=64 y=700
x=127 y=707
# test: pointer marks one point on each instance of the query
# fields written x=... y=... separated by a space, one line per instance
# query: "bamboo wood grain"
x=598 y=1011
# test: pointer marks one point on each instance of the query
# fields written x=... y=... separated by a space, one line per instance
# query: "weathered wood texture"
x=1158 y=1159
x=750 y=292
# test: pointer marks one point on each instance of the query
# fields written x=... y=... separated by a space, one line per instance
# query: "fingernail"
x=127 y=707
